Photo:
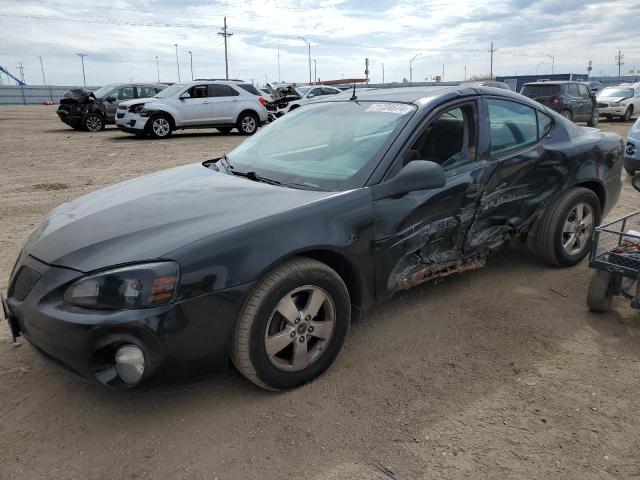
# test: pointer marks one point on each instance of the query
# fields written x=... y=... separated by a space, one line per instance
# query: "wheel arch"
x=597 y=188
x=247 y=110
x=162 y=112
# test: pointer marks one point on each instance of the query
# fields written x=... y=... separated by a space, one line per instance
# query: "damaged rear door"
x=421 y=235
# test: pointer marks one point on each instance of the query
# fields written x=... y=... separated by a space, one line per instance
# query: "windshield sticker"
x=397 y=108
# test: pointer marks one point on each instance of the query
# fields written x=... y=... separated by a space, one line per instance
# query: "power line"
x=223 y=32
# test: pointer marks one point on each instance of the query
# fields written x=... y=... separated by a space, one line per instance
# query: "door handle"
x=205 y=103
x=473 y=190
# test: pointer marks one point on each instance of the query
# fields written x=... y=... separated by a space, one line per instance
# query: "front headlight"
x=143 y=112
x=134 y=286
x=614 y=104
x=136 y=108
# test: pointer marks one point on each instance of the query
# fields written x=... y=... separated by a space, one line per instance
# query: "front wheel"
x=600 y=293
x=630 y=171
x=248 y=123
x=567 y=114
x=93 y=122
x=293 y=325
x=160 y=126
x=627 y=114
x=564 y=233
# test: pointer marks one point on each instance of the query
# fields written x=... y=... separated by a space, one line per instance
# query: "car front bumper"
x=130 y=122
x=83 y=342
x=612 y=111
x=71 y=119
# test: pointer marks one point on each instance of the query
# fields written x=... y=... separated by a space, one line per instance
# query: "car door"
x=521 y=173
x=421 y=234
x=195 y=106
x=120 y=95
x=226 y=101
x=588 y=102
x=575 y=101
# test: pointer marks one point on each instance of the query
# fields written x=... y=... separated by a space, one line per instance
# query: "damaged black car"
x=262 y=256
x=92 y=111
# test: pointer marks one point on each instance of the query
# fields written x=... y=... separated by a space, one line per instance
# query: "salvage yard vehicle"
x=261 y=256
x=287 y=98
x=632 y=150
x=573 y=100
x=621 y=102
x=92 y=111
x=223 y=105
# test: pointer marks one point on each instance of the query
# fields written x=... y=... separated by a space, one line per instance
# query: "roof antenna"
x=353 y=97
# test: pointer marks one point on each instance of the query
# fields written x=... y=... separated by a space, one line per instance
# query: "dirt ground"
x=498 y=373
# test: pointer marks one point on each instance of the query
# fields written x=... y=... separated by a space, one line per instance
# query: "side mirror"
x=635 y=181
x=111 y=99
x=415 y=175
x=311 y=95
x=183 y=96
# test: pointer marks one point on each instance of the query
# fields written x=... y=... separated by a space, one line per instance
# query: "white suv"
x=220 y=104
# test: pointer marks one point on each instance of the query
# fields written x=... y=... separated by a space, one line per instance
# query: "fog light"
x=129 y=364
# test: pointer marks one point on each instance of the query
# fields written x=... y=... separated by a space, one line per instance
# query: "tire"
x=567 y=114
x=595 y=118
x=160 y=126
x=630 y=171
x=248 y=123
x=92 y=122
x=224 y=130
x=627 y=114
x=600 y=294
x=561 y=247
x=298 y=278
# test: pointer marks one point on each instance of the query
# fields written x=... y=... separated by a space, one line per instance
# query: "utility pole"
x=279 y=62
x=442 y=78
x=309 y=49
x=366 y=69
x=191 y=62
x=177 y=62
x=84 y=78
x=223 y=32
x=491 y=50
x=21 y=68
x=538 y=66
x=383 y=73
x=158 y=68
x=411 y=67
x=553 y=62
x=44 y=80
x=619 y=58
x=315 y=71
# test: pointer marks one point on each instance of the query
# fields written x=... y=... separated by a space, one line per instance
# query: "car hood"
x=145 y=218
x=78 y=96
x=611 y=99
x=137 y=101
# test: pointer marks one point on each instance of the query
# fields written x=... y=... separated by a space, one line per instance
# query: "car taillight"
x=556 y=100
x=263 y=101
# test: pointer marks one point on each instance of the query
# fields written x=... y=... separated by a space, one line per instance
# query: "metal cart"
x=615 y=256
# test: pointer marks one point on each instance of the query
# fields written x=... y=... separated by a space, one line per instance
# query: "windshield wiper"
x=255 y=177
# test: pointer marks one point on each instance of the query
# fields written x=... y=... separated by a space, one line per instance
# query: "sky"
x=122 y=38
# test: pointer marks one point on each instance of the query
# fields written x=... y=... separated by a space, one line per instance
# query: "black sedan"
x=261 y=257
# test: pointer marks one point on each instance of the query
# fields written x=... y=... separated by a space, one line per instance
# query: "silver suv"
x=205 y=103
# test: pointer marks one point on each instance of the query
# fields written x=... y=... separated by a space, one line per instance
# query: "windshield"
x=616 y=92
x=539 y=90
x=302 y=90
x=330 y=146
x=102 y=91
x=170 y=91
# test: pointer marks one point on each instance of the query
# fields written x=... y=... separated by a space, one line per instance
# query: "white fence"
x=33 y=94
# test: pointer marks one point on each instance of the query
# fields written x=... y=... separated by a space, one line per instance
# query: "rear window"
x=541 y=90
x=249 y=88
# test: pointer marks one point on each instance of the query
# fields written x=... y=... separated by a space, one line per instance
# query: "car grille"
x=120 y=115
x=602 y=105
x=23 y=283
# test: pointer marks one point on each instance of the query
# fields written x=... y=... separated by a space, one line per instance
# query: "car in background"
x=572 y=100
x=487 y=83
x=621 y=101
x=260 y=256
x=92 y=111
x=632 y=150
x=288 y=97
x=222 y=104
x=311 y=93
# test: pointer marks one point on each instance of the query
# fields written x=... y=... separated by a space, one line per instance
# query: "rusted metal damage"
x=433 y=271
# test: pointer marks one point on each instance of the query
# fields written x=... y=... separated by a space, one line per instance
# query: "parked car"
x=487 y=83
x=262 y=255
x=200 y=104
x=91 y=111
x=621 y=101
x=572 y=100
x=632 y=151
x=287 y=97
x=311 y=93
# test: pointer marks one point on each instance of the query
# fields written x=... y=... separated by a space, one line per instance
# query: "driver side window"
x=125 y=93
x=450 y=140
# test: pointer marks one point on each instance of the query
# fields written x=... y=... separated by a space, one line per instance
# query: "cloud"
x=123 y=39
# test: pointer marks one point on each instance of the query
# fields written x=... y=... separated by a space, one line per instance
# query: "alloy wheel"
x=577 y=229
x=161 y=127
x=300 y=328
x=94 y=123
x=248 y=124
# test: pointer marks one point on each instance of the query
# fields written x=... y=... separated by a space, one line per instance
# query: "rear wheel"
x=630 y=171
x=595 y=118
x=93 y=122
x=567 y=114
x=248 y=123
x=160 y=126
x=627 y=114
x=563 y=235
x=600 y=293
x=293 y=325
x=224 y=130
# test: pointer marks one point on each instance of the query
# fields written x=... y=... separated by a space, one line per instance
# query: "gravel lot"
x=498 y=373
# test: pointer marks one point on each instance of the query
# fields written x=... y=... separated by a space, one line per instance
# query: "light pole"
x=158 y=68
x=553 y=62
x=538 y=66
x=44 y=80
x=315 y=71
x=309 y=48
x=266 y=81
x=411 y=67
x=177 y=62
x=84 y=79
x=191 y=62
x=383 y=73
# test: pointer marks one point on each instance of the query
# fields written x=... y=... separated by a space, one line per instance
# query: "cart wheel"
x=600 y=293
x=628 y=288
